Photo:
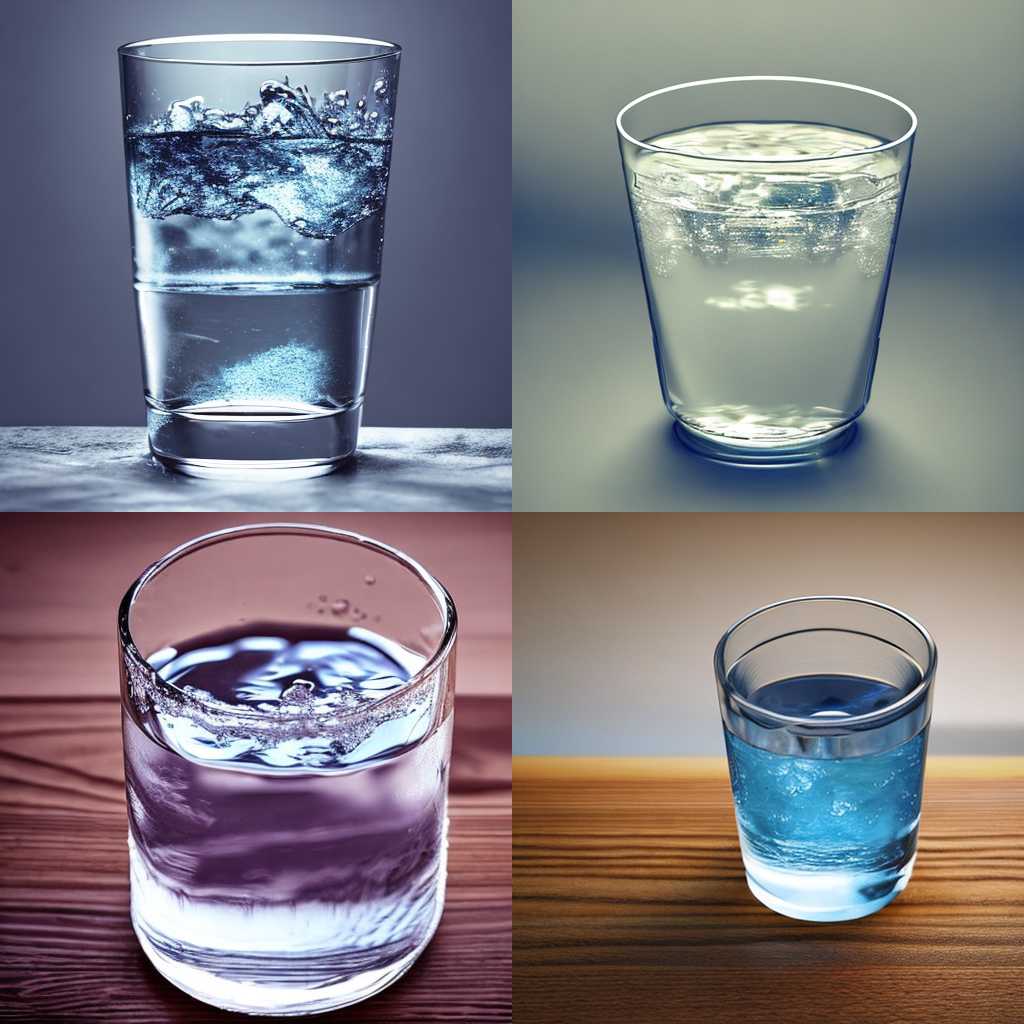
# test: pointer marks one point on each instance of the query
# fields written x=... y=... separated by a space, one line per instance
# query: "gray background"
x=617 y=617
x=944 y=427
x=442 y=348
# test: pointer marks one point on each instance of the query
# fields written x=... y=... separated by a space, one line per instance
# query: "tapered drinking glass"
x=286 y=697
x=257 y=178
x=765 y=211
x=826 y=703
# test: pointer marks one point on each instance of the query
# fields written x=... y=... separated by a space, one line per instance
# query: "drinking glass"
x=286 y=697
x=257 y=177
x=826 y=703
x=765 y=210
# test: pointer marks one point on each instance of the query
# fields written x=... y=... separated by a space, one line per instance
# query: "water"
x=257 y=240
x=286 y=866
x=827 y=838
x=766 y=281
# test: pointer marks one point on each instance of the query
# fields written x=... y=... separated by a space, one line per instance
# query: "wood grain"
x=67 y=950
x=630 y=902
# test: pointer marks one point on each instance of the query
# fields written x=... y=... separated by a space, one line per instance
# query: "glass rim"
x=440 y=594
x=386 y=49
x=894 y=710
x=765 y=160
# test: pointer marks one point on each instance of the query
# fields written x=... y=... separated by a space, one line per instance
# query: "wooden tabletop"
x=630 y=904
x=396 y=469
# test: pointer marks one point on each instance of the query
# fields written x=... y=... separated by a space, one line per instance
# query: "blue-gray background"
x=442 y=348
x=945 y=425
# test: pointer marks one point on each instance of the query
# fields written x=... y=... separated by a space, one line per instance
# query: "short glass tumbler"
x=826 y=703
x=257 y=177
x=765 y=211
x=287 y=697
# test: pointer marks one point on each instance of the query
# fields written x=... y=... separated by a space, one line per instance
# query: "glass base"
x=825 y=895
x=238 y=440
x=765 y=453
x=275 y=1000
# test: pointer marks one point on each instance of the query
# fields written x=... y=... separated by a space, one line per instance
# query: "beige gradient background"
x=617 y=616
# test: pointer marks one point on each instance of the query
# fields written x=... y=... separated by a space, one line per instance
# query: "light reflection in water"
x=754 y=296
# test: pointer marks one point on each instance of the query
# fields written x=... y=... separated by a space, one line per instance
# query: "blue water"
x=827 y=838
x=321 y=166
x=257 y=243
x=277 y=669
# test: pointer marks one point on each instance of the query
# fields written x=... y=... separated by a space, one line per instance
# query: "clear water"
x=827 y=838
x=766 y=282
x=257 y=240
x=286 y=868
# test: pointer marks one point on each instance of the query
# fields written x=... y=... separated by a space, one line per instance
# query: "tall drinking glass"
x=257 y=176
x=765 y=212
x=826 y=703
x=287 y=715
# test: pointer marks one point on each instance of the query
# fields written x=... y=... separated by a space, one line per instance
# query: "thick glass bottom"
x=290 y=997
x=774 y=452
x=235 y=440
x=824 y=895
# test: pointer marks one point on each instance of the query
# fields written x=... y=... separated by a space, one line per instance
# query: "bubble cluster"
x=292 y=372
x=320 y=166
x=311 y=703
x=721 y=211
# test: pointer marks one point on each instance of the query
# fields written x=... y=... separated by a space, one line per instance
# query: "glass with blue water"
x=257 y=178
x=826 y=703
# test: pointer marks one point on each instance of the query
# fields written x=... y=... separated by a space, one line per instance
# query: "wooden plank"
x=630 y=900
x=67 y=951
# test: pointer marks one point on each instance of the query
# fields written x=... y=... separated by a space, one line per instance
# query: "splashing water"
x=321 y=167
x=257 y=242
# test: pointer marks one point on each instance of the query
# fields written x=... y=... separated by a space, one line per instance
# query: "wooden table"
x=396 y=469
x=67 y=950
x=630 y=904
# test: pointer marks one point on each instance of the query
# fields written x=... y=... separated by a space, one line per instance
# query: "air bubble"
x=369 y=580
x=300 y=692
x=339 y=607
x=380 y=88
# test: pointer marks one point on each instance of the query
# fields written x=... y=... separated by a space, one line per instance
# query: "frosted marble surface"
x=397 y=469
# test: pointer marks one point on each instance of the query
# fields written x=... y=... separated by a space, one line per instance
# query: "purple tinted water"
x=276 y=871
